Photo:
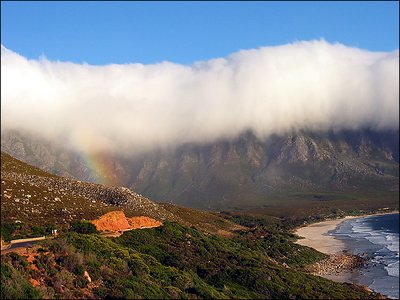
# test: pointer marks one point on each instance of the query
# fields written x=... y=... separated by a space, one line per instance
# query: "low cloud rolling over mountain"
x=132 y=107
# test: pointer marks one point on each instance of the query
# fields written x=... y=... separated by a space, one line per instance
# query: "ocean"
x=377 y=239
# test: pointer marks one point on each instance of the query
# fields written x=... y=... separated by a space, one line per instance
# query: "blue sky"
x=184 y=32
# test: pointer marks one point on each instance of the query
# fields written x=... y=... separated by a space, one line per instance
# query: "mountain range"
x=243 y=172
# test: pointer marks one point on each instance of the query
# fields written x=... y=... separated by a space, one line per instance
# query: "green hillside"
x=172 y=261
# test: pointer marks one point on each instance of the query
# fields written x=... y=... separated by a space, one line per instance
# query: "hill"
x=33 y=197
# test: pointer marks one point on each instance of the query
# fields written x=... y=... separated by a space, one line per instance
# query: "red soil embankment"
x=117 y=221
x=112 y=221
x=143 y=222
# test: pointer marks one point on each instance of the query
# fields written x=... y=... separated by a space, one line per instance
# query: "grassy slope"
x=175 y=261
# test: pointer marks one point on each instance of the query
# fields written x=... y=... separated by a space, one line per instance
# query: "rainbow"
x=101 y=166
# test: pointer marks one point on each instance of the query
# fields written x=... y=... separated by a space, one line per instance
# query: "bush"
x=14 y=285
x=38 y=231
x=49 y=228
x=84 y=227
x=73 y=262
x=7 y=229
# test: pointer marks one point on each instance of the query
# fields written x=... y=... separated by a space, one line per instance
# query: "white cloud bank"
x=303 y=85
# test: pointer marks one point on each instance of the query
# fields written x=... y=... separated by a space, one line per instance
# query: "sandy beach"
x=315 y=236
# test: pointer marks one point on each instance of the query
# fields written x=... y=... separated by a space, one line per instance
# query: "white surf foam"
x=393 y=269
x=388 y=256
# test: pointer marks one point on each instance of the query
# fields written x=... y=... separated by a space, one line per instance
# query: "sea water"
x=377 y=239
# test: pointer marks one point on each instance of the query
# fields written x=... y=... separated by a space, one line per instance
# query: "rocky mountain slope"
x=246 y=171
x=250 y=171
x=32 y=196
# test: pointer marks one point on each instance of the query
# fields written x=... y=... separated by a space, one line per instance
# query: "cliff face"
x=117 y=221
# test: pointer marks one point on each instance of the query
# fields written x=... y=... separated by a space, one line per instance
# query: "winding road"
x=21 y=244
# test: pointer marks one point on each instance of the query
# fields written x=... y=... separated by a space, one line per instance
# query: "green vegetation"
x=14 y=282
x=175 y=261
x=7 y=229
x=81 y=226
x=19 y=230
x=317 y=206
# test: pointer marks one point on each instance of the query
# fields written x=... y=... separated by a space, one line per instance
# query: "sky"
x=185 y=32
x=131 y=77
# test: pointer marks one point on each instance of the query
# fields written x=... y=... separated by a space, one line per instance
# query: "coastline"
x=316 y=236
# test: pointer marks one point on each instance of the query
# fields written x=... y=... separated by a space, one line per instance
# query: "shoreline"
x=316 y=236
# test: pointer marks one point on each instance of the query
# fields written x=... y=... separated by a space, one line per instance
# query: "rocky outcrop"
x=117 y=221
x=87 y=276
x=337 y=263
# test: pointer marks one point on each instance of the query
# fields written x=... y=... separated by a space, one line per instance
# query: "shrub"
x=38 y=230
x=84 y=227
x=7 y=229
x=15 y=286
x=63 y=280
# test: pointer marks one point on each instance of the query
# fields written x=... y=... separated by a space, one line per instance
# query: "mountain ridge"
x=243 y=171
